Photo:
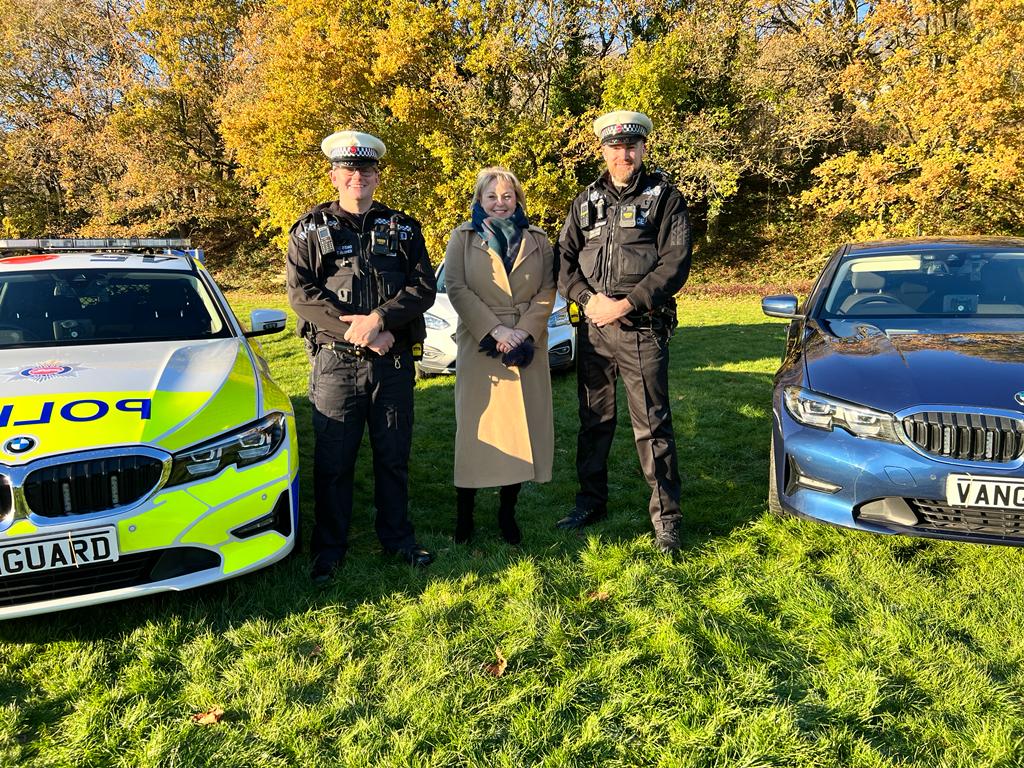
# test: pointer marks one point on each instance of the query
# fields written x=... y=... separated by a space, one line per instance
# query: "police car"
x=143 y=445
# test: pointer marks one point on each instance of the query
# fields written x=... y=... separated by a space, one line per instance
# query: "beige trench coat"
x=504 y=426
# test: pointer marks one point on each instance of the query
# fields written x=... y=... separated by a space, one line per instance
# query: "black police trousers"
x=640 y=357
x=347 y=393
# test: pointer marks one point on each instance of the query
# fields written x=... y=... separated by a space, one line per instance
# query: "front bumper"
x=176 y=539
x=880 y=487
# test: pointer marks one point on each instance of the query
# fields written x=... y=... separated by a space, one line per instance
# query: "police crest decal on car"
x=44 y=371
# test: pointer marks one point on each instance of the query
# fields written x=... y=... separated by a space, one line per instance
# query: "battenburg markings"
x=76 y=411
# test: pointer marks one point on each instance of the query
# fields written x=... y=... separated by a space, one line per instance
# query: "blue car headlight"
x=559 y=317
x=814 y=410
x=248 y=445
x=434 y=322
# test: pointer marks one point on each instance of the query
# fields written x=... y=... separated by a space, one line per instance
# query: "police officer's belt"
x=344 y=348
x=658 y=319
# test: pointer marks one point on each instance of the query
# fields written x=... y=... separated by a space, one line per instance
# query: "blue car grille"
x=968 y=436
x=96 y=485
x=939 y=517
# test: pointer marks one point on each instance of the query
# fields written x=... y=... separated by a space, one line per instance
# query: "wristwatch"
x=584 y=297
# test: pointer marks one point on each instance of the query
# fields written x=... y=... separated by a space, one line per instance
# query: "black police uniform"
x=341 y=263
x=632 y=242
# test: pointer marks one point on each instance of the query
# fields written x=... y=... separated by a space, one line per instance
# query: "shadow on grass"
x=722 y=418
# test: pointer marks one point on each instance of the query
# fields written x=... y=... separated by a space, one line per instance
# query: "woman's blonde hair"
x=497 y=173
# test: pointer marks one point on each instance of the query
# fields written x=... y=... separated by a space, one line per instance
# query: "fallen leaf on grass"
x=498 y=668
x=211 y=716
x=315 y=651
x=598 y=595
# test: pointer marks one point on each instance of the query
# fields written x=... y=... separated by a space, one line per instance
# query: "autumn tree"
x=108 y=124
x=449 y=88
x=938 y=87
x=64 y=69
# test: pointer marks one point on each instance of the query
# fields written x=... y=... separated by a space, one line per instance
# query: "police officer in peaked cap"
x=359 y=280
x=624 y=253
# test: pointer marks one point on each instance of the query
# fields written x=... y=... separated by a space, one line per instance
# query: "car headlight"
x=434 y=322
x=814 y=410
x=559 y=317
x=247 y=445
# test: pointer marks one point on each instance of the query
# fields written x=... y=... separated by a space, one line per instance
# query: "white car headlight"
x=814 y=410
x=434 y=322
x=559 y=317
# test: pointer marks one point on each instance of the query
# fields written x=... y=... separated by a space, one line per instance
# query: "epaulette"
x=405 y=218
x=311 y=212
x=663 y=175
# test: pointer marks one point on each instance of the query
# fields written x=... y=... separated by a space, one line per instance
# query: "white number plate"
x=988 y=492
x=66 y=550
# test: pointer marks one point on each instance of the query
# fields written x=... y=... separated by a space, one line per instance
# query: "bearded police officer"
x=359 y=280
x=624 y=253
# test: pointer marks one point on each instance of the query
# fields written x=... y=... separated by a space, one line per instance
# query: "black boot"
x=464 y=498
x=507 y=513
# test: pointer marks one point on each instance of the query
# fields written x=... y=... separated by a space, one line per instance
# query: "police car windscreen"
x=103 y=306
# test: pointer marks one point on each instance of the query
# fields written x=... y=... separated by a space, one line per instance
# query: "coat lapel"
x=527 y=245
x=497 y=268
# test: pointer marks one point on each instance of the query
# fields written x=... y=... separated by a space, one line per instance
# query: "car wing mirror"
x=264 y=321
x=780 y=306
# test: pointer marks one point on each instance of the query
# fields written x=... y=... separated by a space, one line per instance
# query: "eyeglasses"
x=366 y=171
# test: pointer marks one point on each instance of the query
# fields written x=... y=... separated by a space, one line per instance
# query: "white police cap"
x=353 y=148
x=622 y=127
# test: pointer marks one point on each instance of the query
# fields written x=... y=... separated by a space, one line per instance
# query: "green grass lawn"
x=770 y=643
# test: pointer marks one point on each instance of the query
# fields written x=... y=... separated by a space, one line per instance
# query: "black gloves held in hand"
x=489 y=346
x=519 y=357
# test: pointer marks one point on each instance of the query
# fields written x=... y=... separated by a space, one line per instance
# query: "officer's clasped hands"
x=382 y=343
x=603 y=310
x=362 y=329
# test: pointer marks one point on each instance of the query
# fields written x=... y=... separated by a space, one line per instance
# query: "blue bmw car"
x=899 y=405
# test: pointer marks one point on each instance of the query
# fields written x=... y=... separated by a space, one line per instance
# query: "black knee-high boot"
x=464 y=499
x=508 y=496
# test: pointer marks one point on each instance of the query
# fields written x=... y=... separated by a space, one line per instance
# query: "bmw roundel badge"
x=20 y=444
x=1019 y=397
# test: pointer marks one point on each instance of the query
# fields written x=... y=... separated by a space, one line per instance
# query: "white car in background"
x=439 y=348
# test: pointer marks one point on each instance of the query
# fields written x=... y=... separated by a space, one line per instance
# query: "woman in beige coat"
x=499 y=275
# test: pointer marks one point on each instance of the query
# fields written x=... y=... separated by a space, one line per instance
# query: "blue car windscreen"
x=951 y=283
